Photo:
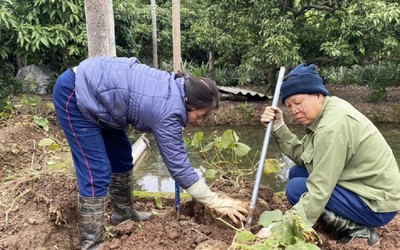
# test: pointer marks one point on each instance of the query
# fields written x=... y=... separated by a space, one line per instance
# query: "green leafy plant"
x=272 y=166
x=246 y=109
x=41 y=122
x=377 y=77
x=42 y=31
x=223 y=155
x=287 y=232
x=49 y=143
x=9 y=85
x=6 y=112
x=27 y=106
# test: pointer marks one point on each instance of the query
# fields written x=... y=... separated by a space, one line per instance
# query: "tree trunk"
x=18 y=62
x=211 y=67
x=271 y=78
x=154 y=32
x=100 y=27
x=176 y=35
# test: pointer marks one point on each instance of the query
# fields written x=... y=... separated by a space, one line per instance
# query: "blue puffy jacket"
x=115 y=92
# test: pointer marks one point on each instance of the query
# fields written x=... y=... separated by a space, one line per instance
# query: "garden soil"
x=38 y=189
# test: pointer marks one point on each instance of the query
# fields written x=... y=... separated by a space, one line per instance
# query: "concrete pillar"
x=100 y=27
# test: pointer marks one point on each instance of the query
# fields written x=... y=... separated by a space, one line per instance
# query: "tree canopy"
x=249 y=40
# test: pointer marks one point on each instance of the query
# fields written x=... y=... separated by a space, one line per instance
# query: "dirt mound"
x=41 y=214
x=38 y=198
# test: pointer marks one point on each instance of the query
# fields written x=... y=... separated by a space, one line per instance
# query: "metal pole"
x=177 y=198
x=264 y=151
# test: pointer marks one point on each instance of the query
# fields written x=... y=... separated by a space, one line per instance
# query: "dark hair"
x=200 y=92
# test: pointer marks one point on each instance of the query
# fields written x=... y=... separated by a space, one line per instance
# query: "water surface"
x=152 y=175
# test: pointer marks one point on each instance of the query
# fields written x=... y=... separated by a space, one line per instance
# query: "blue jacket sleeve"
x=168 y=136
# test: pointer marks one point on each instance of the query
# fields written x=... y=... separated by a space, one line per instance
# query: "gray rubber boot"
x=91 y=221
x=121 y=194
x=349 y=228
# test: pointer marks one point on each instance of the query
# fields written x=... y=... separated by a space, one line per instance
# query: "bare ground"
x=38 y=190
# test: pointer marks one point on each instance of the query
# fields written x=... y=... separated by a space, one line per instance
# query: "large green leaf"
x=197 y=139
x=211 y=174
x=272 y=166
x=301 y=245
x=228 y=138
x=268 y=217
x=241 y=149
x=245 y=236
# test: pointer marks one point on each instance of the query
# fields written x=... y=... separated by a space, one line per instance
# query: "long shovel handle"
x=264 y=151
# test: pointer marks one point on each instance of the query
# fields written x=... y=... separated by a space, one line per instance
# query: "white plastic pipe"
x=139 y=149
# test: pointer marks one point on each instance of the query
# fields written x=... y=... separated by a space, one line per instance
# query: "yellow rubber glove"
x=219 y=202
x=275 y=114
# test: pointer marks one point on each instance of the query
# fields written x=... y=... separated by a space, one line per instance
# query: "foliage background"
x=350 y=41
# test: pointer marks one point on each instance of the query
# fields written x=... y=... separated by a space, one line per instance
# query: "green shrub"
x=9 y=85
x=376 y=76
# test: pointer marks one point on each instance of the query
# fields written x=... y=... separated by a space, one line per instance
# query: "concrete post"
x=100 y=27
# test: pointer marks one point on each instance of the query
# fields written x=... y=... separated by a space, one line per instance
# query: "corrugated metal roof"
x=243 y=92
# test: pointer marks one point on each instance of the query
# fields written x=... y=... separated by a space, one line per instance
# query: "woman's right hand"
x=233 y=208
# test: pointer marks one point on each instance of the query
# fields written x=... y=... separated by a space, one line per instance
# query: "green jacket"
x=342 y=147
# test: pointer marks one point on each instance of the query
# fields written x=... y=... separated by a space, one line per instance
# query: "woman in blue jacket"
x=96 y=101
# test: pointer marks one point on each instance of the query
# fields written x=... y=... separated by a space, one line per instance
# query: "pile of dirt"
x=38 y=198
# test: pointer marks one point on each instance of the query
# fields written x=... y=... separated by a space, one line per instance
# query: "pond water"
x=152 y=175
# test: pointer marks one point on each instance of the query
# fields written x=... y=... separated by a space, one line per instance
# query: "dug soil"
x=38 y=189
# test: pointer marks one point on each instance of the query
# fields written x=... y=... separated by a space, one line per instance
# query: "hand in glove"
x=222 y=204
x=275 y=114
